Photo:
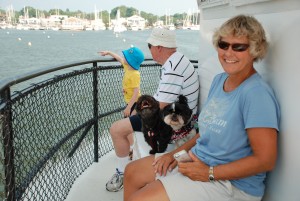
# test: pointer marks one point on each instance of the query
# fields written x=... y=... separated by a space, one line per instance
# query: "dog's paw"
x=162 y=149
x=152 y=152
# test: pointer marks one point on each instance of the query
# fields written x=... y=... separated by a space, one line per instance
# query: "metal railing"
x=54 y=127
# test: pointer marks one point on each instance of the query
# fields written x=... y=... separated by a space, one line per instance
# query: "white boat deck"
x=90 y=186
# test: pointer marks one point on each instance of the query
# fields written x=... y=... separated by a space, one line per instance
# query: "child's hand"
x=126 y=112
x=103 y=53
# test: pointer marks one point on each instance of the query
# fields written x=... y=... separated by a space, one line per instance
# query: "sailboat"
x=169 y=24
x=191 y=21
x=10 y=19
x=98 y=24
x=119 y=27
x=109 y=27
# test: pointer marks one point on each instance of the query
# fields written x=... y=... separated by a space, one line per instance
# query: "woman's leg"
x=138 y=174
x=154 y=191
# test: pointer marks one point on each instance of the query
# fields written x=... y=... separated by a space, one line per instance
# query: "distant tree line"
x=125 y=12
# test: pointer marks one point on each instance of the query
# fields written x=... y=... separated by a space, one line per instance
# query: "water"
x=50 y=48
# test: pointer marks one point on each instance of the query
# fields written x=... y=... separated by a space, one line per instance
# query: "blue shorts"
x=136 y=122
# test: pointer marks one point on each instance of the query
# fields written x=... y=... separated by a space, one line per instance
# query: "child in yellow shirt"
x=133 y=58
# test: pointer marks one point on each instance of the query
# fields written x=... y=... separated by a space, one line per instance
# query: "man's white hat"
x=162 y=37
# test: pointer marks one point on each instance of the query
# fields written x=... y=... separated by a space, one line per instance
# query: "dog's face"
x=147 y=106
x=178 y=113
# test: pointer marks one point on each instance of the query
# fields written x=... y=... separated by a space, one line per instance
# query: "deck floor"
x=90 y=186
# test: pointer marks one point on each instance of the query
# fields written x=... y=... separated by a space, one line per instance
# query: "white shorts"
x=180 y=188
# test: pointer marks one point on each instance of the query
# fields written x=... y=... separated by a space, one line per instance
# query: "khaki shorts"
x=181 y=188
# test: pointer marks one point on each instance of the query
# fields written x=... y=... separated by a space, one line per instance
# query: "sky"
x=157 y=7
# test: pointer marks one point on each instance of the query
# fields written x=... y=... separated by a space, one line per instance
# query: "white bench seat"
x=141 y=148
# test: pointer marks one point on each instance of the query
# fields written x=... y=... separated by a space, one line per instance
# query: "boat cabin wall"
x=281 y=68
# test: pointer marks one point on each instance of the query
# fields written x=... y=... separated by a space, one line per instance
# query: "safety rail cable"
x=54 y=129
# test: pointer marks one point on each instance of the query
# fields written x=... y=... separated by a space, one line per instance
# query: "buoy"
x=124 y=40
x=48 y=36
x=29 y=43
x=19 y=39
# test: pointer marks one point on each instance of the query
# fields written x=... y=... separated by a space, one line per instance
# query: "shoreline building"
x=73 y=23
x=136 y=23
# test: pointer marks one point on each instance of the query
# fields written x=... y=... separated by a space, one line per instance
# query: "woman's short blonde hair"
x=248 y=26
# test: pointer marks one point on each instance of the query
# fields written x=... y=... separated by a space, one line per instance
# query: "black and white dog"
x=156 y=132
x=180 y=117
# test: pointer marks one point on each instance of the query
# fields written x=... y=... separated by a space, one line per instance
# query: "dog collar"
x=181 y=133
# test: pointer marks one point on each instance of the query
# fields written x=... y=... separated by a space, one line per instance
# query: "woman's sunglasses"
x=149 y=45
x=237 y=47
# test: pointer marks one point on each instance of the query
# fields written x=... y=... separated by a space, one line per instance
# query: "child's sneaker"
x=116 y=182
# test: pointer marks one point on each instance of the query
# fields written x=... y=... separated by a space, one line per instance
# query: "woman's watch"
x=211 y=177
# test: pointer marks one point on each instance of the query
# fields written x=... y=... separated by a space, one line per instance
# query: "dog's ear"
x=138 y=102
x=190 y=112
x=182 y=99
x=157 y=104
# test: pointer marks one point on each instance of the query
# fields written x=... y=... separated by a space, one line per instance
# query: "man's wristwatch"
x=211 y=177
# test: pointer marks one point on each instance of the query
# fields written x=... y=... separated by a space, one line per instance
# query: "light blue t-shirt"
x=223 y=122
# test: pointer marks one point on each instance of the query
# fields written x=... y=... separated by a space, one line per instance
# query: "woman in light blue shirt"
x=238 y=126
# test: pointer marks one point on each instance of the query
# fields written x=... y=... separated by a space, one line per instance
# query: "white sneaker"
x=116 y=182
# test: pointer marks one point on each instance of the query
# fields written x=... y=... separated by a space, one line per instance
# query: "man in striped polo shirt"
x=178 y=77
x=178 y=73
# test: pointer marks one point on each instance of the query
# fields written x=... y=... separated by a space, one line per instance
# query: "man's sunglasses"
x=237 y=47
x=149 y=45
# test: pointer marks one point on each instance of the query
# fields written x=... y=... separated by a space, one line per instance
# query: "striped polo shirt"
x=178 y=77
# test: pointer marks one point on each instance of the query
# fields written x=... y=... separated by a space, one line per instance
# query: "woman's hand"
x=164 y=163
x=196 y=170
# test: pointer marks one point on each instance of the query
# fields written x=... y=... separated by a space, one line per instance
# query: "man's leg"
x=131 y=137
x=120 y=130
x=131 y=142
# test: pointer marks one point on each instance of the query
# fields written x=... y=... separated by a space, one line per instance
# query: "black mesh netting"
x=48 y=129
